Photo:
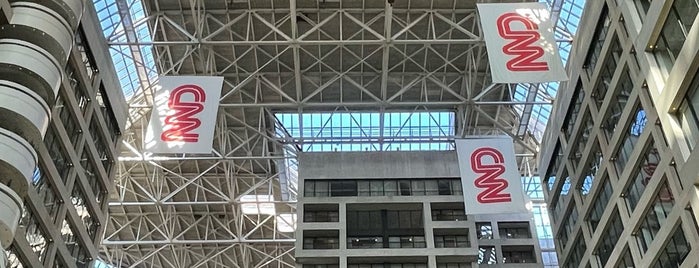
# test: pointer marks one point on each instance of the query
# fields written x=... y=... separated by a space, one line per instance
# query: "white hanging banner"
x=520 y=42
x=489 y=176
x=184 y=115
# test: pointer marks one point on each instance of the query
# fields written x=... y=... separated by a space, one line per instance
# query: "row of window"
x=405 y=241
x=377 y=187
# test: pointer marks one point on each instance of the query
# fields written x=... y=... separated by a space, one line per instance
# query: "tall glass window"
x=626 y=260
x=58 y=153
x=600 y=203
x=674 y=33
x=606 y=74
x=36 y=237
x=568 y=226
x=590 y=170
x=598 y=38
x=619 y=101
x=655 y=216
x=577 y=252
x=689 y=113
x=630 y=138
x=675 y=251
x=550 y=178
x=649 y=161
x=574 y=110
x=610 y=237
x=583 y=137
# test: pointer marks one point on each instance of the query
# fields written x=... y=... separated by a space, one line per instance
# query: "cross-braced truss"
x=233 y=207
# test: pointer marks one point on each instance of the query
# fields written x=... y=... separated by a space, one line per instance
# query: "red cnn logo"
x=522 y=45
x=489 y=179
x=183 y=122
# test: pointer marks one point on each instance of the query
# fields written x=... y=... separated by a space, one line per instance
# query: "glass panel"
x=654 y=218
x=649 y=161
x=608 y=241
x=675 y=251
x=674 y=33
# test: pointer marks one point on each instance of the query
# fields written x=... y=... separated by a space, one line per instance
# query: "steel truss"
x=282 y=56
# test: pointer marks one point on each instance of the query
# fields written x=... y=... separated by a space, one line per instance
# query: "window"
x=630 y=138
x=649 y=161
x=604 y=80
x=320 y=213
x=675 y=251
x=47 y=194
x=543 y=227
x=518 y=254
x=377 y=187
x=77 y=198
x=333 y=265
x=448 y=211
x=576 y=254
x=642 y=6
x=617 y=104
x=365 y=242
x=78 y=87
x=86 y=55
x=321 y=239
x=484 y=230
x=36 y=237
x=406 y=242
x=75 y=247
x=67 y=118
x=608 y=241
x=600 y=203
x=626 y=260
x=101 y=146
x=343 y=188
x=92 y=175
x=674 y=33
x=451 y=238
x=486 y=255
x=453 y=265
x=58 y=153
x=514 y=230
x=590 y=170
x=568 y=226
x=597 y=42
x=550 y=178
x=581 y=140
x=558 y=204
x=108 y=114
x=574 y=110
x=351 y=264
x=688 y=114
x=655 y=216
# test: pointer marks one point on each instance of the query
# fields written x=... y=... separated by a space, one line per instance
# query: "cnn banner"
x=489 y=176
x=184 y=115
x=520 y=42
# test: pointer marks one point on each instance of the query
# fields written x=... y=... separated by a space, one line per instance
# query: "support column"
x=34 y=49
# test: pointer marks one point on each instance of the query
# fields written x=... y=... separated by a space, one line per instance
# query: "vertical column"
x=34 y=49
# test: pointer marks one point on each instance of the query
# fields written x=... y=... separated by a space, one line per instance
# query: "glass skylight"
x=135 y=64
x=369 y=131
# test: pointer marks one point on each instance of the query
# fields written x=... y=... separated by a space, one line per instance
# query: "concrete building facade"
x=618 y=156
x=61 y=115
x=400 y=209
